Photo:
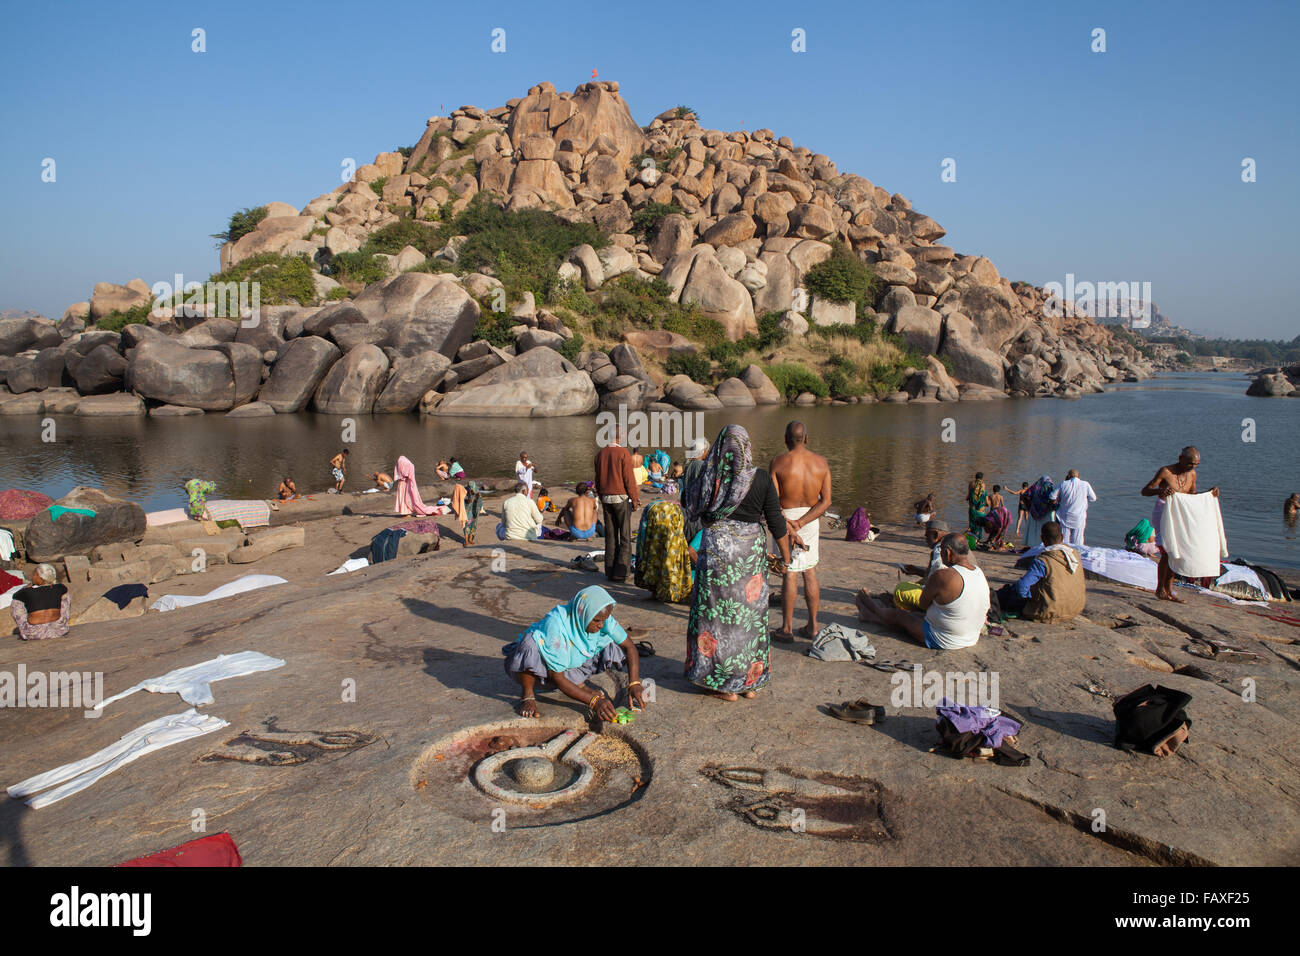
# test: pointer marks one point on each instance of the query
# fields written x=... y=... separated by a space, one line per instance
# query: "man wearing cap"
x=803 y=483
x=908 y=593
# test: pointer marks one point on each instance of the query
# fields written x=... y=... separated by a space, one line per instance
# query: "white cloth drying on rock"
x=1126 y=567
x=7 y=549
x=1191 y=532
x=192 y=682
x=249 y=582
x=74 y=777
x=351 y=564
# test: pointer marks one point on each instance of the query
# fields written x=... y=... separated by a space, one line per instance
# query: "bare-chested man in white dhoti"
x=803 y=481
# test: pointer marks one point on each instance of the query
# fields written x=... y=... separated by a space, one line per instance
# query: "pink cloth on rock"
x=408 y=492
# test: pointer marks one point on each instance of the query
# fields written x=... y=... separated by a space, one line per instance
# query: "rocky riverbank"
x=419 y=638
x=730 y=224
x=1276 y=382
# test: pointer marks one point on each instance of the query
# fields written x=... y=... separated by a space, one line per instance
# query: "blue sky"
x=1123 y=165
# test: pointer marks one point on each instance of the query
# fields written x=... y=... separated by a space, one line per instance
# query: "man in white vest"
x=955 y=602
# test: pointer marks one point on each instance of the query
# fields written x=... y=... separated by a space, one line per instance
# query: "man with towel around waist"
x=1178 y=478
x=803 y=482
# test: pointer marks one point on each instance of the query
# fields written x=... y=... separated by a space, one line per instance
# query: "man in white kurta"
x=1072 y=507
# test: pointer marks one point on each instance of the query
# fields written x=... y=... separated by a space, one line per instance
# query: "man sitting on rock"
x=41 y=609
x=578 y=515
x=1052 y=589
x=520 y=519
x=955 y=600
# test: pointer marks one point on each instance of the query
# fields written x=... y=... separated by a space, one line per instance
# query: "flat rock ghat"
x=362 y=749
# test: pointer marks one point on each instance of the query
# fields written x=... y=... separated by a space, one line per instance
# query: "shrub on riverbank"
x=282 y=280
x=699 y=368
x=843 y=277
x=792 y=379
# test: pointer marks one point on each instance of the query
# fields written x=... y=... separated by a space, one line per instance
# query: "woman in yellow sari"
x=664 y=559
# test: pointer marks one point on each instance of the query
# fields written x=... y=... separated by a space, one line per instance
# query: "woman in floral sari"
x=727 y=638
x=977 y=498
x=664 y=558
x=198 y=490
x=467 y=505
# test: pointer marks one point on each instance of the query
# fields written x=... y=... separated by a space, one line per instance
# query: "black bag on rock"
x=1152 y=719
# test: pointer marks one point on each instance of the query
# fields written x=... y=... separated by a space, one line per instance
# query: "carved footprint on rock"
x=273 y=747
x=797 y=802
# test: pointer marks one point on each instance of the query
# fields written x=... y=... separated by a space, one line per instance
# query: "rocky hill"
x=751 y=267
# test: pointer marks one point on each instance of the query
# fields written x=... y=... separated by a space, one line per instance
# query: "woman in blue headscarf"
x=567 y=646
x=727 y=639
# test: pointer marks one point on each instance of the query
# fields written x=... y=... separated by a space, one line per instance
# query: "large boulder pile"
x=757 y=212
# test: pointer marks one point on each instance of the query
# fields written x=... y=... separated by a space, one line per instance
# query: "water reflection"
x=883 y=456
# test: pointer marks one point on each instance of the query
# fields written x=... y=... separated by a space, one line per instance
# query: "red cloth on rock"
x=17 y=505
x=216 y=850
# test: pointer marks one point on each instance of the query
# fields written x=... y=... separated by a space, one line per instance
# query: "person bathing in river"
x=569 y=645
x=382 y=481
x=339 y=469
x=288 y=490
x=924 y=509
x=1178 y=478
x=1291 y=508
x=1022 y=505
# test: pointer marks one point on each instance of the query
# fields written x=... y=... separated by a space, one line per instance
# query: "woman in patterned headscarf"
x=727 y=639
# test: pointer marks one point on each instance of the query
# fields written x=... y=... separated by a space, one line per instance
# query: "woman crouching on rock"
x=569 y=645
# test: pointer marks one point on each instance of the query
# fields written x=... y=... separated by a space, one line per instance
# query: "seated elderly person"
x=1052 y=589
x=520 y=519
x=955 y=602
x=41 y=608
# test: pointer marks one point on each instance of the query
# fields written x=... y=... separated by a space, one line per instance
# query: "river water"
x=883 y=456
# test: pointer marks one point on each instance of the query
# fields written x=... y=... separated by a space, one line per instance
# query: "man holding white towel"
x=1178 y=478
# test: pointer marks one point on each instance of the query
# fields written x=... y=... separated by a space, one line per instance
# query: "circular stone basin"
x=541 y=772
